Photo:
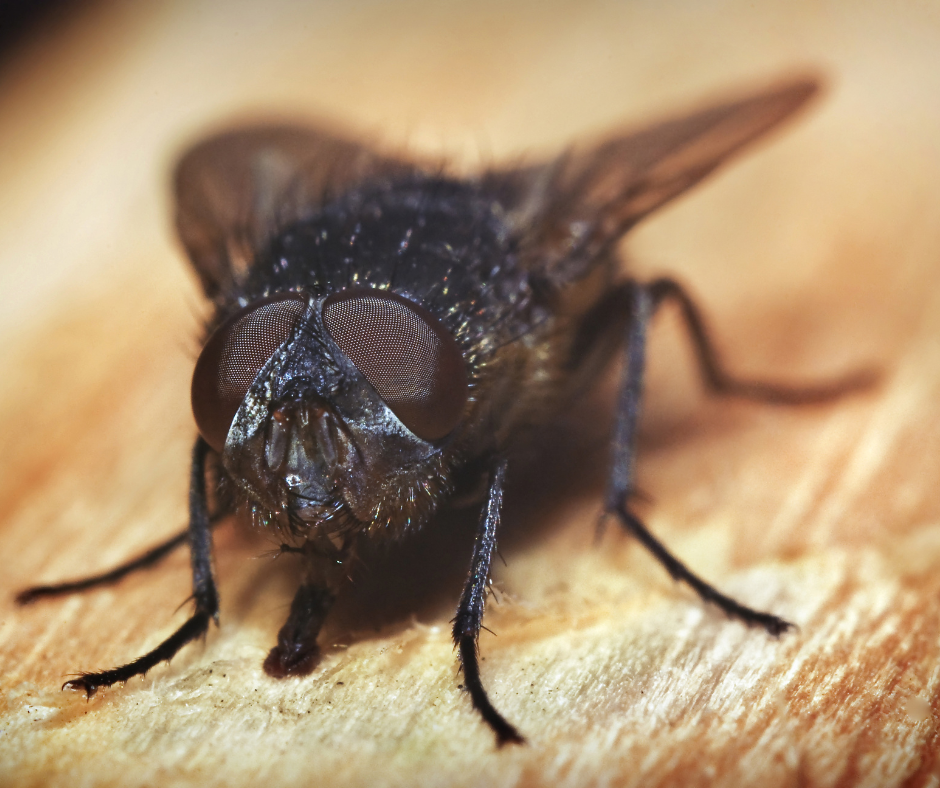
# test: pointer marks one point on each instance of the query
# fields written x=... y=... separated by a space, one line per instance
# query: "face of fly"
x=345 y=422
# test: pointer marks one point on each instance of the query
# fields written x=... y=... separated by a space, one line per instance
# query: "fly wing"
x=569 y=211
x=235 y=189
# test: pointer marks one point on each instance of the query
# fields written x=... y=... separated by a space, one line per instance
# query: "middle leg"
x=643 y=302
x=719 y=381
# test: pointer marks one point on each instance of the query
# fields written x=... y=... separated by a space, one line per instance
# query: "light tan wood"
x=816 y=253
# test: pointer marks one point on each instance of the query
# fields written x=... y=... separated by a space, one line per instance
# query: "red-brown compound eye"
x=404 y=352
x=232 y=358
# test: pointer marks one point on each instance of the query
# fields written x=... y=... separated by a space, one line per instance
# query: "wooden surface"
x=817 y=253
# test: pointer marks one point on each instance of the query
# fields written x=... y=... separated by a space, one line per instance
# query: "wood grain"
x=817 y=253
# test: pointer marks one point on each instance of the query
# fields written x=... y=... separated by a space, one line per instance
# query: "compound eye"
x=408 y=357
x=232 y=357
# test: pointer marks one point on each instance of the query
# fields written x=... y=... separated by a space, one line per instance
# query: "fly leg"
x=620 y=485
x=150 y=558
x=469 y=618
x=719 y=381
x=145 y=560
x=204 y=591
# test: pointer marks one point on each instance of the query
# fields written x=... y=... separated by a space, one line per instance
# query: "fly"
x=380 y=327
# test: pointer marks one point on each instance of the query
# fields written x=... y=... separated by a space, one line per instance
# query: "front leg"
x=469 y=618
x=204 y=590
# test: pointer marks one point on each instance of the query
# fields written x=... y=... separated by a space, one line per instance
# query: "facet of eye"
x=408 y=357
x=232 y=357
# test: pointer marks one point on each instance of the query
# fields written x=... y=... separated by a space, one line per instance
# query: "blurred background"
x=815 y=253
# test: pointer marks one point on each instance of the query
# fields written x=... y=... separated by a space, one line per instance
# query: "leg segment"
x=620 y=485
x=153 y=556
x=469 y=618
x=720 y=381
x=204 y=590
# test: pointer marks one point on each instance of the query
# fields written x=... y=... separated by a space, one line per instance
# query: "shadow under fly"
x=384 y=333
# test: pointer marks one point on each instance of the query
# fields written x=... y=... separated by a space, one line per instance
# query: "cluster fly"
x=381 y=329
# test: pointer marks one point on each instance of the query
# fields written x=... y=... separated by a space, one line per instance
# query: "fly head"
x=329 y=411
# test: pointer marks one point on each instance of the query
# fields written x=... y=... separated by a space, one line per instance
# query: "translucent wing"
x=235 y=189
x=567 y=212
